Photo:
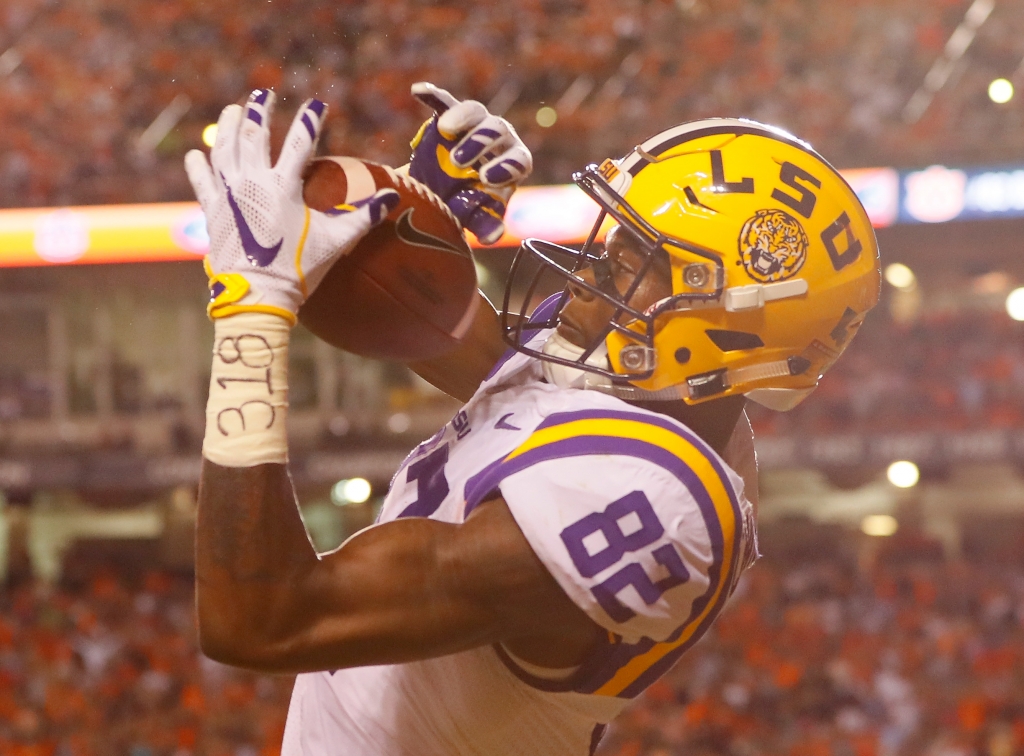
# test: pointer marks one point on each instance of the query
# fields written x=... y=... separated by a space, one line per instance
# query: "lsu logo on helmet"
x=773 y=246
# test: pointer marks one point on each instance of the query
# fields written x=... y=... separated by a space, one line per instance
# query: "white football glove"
x=268 y=250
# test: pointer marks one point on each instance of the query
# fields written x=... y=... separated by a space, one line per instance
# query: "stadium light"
x=399 y=422
x=210 y=135
x=1000 y=91
x=879 y=525
x=1015 y=304
x=352 y=491
x=900 y=276
x=903 y=474
x=547 y=116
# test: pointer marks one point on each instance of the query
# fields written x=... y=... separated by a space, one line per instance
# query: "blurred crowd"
x=810 y=659
x=80 y=82
x=111 y=667
x=815 y=661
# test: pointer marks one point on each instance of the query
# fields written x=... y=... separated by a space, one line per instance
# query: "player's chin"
x=571 y=333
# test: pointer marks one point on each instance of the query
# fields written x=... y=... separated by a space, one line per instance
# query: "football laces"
x=423 y=191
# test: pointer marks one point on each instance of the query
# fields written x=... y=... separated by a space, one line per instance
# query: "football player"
x=580 y=523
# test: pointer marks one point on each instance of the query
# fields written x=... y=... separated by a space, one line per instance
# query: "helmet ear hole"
x=682 y=355
x=732 y=341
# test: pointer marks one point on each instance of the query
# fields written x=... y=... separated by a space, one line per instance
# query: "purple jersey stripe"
x=660 y=421
x=665 y=663
x=546 y=309
x=661 y=666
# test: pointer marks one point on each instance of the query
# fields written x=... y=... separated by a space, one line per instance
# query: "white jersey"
x=640 y=522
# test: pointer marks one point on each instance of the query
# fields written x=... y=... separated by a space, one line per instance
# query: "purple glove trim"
x=472 y=149
x=258 y=97
x=380 y=204
x=499 y=174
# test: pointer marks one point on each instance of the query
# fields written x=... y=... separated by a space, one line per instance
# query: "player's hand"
x=472 y=159
x=268 y=251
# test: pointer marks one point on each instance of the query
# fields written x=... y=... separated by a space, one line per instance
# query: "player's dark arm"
x=459 y=373
x=406 y=590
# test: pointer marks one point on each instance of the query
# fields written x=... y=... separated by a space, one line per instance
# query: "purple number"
x=634 y=575
x=431 y=485
x=609 y=524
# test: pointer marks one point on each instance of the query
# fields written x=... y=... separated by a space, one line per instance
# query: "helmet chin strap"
x=564 y=376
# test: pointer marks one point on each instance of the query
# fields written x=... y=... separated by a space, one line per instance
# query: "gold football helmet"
x=773 y=262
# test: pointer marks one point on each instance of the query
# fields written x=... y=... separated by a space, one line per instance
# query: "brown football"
x=407 y=291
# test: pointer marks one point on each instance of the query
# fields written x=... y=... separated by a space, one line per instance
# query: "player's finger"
x=461 y=118
x=512 y=166
x=254 y=133
x=435 y=98
x=301 y=140
x=481 y=212
x=224 y=155
x=486 y=227
x=488 y=137
x=377 y=206
x=350 y=223
x=201 y=177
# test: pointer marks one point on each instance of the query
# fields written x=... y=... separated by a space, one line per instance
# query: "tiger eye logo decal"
x=773 y=246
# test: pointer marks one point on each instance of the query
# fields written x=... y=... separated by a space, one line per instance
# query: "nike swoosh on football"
x=412 y=235
x=255 y=251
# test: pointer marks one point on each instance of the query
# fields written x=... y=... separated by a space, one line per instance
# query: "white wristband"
x=246 y=415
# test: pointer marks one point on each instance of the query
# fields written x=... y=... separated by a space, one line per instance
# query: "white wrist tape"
x=246 y=415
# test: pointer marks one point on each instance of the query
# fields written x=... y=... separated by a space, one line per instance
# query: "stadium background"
x=842 y=641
